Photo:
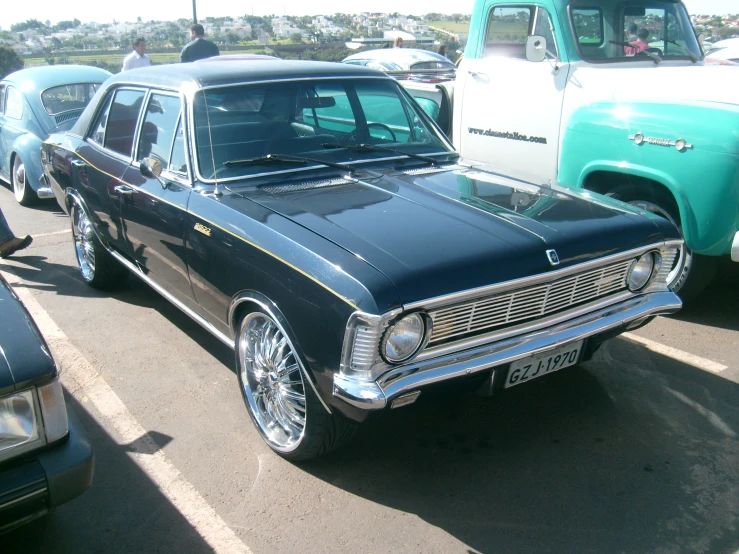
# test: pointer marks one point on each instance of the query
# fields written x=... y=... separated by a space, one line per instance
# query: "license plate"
x=522 y=371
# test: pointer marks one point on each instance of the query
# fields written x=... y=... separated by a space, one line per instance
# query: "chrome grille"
x=527 y=303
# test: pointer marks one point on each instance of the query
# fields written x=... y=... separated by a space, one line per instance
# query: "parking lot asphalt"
x=634 y=451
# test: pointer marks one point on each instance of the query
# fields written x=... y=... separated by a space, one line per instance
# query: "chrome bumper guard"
x=735 y=249
x=375 y=395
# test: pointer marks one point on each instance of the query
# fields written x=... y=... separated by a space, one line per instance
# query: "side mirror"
x=151 y=168
x=701 y=38
x=536 y=48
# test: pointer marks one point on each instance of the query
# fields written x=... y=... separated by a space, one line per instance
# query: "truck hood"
x=24 y=356
x=678 y=84
x=447 y=231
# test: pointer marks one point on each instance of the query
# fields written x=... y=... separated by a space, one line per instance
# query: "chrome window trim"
x=195 y=168
x=536 y=279
x=101 y=147
x=179 y=178
x=41 y=102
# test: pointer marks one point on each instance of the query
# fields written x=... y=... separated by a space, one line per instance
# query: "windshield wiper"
x=692 y=56
x=651 y=55
x=379 y=148
x=281 y=158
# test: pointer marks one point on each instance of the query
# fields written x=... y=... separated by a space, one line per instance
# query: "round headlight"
x=641 y=271
x=403 y=339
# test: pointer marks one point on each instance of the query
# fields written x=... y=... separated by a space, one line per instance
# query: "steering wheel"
x=353 y=133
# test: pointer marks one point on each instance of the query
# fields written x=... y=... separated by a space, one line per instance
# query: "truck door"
x=510 y=107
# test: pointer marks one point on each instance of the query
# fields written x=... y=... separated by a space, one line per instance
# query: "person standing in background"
x=398 y=42
x=137 y=58
x=198 y=48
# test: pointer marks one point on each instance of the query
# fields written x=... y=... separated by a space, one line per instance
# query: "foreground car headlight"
x=19 y=425
x=403 y=339
x=641 y=271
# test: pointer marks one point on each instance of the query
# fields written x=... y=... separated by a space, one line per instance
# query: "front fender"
x=703 y=179
x=28 y=147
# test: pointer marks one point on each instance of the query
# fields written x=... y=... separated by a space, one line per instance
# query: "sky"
x=106 y=11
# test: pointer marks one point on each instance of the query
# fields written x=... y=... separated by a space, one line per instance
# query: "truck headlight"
x=403 y=339
x=19 y=424
x=641 y=271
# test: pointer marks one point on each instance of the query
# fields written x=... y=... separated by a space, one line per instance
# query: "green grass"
x=156 y=57
x=451 y=26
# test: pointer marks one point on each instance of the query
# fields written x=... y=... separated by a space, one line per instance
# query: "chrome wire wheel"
x=19 y=179
x=272 y=382
x=684 y=261
x=84 y=243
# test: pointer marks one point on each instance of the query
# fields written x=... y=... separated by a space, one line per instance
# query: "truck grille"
x=527 y=303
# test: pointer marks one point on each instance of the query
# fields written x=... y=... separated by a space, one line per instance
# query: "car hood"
x=447 y=231
x=24 y=357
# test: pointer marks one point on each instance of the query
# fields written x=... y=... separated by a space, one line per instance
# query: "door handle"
x=124 y=190
x=479 y=74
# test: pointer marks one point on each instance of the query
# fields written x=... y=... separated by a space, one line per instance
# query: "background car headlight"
x=641 y=272
x=18 y=421
x=403 y=339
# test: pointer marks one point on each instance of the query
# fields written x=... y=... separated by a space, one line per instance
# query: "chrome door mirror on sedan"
x=151 y=168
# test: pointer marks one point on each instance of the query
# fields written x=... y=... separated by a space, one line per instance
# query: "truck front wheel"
x=692 y=272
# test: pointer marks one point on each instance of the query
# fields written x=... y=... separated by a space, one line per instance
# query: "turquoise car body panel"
x=703 y=179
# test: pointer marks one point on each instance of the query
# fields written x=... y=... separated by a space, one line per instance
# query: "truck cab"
x=612 y=97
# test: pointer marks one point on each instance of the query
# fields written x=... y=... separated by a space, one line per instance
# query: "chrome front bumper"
x=375 y=395
x=735 y=249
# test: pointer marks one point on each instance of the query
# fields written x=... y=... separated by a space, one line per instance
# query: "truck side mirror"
x=536 y=48
x=701 y=38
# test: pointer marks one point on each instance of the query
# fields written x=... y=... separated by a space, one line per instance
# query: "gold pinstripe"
x=275 y=256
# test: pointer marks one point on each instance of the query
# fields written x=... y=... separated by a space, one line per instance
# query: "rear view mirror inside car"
x=635 y=11
x=318 y=102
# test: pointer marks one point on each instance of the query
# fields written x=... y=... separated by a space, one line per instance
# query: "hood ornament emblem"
x=680 y=144
x=553 y=257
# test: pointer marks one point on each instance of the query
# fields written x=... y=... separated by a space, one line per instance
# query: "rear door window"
x=124 y=115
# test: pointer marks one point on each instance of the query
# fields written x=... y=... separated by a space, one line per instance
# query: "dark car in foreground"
x=33 y=103
x=314 y=219
x=45 y=457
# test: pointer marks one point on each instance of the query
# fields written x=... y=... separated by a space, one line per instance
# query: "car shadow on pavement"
x=716 y=306
x=38 y=273
x=123 y=510
x=631 y=452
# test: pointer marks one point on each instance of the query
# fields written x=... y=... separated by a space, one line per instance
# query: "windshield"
x=248 y=130
x=645 y=30
x=65 y=98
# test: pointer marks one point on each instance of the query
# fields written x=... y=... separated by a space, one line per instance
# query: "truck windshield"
x=647 y=30
x=268 y=122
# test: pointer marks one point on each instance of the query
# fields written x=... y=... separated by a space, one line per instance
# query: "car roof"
x=202 y=74
x=402 y=56
x=45 y=76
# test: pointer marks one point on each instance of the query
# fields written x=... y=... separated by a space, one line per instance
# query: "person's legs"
x=9 y=243
x=5 y=233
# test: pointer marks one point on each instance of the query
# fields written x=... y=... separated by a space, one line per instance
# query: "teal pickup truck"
x=611 y=97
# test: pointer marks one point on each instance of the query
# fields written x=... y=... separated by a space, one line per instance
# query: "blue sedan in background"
x=35 y=102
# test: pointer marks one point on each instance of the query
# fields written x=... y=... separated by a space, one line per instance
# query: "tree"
x=9 y=61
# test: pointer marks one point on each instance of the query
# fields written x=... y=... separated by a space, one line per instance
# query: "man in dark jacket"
x=198 y=48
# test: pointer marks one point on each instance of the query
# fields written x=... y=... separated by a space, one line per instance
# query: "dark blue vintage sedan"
x=45 y=457
x=314 y=219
